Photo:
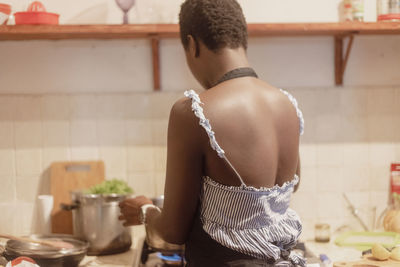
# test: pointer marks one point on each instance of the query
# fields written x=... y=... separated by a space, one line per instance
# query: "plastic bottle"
x=358 y=10
x=347 y=10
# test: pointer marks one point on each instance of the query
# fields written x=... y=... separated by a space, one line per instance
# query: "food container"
x=36 y=18
x=388 y=10
x=36 y=14
x=154 y=241
x=395 y=184
x=358 y=10
x=48 y=256
x=5 y=11
x=95 y=219
x=322 y=232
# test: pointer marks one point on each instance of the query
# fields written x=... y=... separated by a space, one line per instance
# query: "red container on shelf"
x=395 y=178
x=36 y=14
x=5 y=11
x=36 y=18
x=389 y=17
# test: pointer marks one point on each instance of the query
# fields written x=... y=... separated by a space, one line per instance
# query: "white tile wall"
x=330 y=205
x=141 y=158
x=8 y=188
x=55 y=107
x=139 y=132
x=27 y=188
x=84 y=153
x=7 y=162
x=55 y=133
x=84 y=133
x=354 y=128
x=83 y=107
x=8 y=217
x=28 y=161
x=143 y=183
x=59 y=153
x=347 y=147
x=115 y=160
x=111 y=132
x=329 y=154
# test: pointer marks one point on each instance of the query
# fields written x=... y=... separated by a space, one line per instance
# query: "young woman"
x=233 y=153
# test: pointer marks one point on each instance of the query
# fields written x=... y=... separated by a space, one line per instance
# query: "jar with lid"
x=358 y=10
x=388 y=10
x=347 y=10
x=322 y=232
x=394 y=6
x=382 y=7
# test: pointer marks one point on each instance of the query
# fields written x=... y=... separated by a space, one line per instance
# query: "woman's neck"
x=222 y=62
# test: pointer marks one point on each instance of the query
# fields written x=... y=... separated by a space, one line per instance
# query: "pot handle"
x=69 y=207
x=3 y=260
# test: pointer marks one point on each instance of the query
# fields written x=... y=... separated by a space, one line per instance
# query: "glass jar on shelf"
x=347 y=10
x=358 y=10
x=388 y=10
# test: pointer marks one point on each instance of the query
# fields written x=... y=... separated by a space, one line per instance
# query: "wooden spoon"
x=55 y=244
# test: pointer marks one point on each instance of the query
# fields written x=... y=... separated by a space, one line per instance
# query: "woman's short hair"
x=217 y=23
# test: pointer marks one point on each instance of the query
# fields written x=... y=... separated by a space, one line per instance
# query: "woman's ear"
x=193 y=46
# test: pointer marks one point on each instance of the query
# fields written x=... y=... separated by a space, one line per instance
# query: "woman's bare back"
x=258 y=128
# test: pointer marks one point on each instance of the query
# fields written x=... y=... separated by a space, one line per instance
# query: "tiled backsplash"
x=351 y=137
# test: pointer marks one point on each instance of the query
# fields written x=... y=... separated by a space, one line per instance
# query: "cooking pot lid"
x=81 y=196
x=34 y=249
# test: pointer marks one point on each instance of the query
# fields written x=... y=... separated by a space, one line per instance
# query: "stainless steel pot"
x=154 y=241
x=48 y=256
x=95 y=219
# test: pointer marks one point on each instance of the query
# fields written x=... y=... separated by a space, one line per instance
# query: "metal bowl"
x=154 y=241
x=48 y=256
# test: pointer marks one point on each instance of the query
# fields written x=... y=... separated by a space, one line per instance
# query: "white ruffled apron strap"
x=205 y=123
x=298 y=111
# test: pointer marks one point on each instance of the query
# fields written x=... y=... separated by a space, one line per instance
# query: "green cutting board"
x=365 y=240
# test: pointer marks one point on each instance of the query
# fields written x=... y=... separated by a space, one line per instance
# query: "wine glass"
x=125 y=5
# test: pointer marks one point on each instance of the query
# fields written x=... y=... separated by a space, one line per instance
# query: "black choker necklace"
x=237 y=73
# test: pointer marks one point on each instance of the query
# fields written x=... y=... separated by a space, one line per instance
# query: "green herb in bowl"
x=108 y=187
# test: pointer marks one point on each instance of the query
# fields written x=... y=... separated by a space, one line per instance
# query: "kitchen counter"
x=131 y=257
x=126 y=259
x=334 y=252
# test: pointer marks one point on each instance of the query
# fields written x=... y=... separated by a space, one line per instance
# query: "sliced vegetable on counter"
x=113 y=186
x=379 y=252
x=391 y=221
x=395 y=254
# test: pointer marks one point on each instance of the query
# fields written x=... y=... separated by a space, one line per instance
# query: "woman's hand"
x=130 y=210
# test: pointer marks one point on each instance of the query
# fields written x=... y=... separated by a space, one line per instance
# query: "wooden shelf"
x=155 y=32
x=60 y=32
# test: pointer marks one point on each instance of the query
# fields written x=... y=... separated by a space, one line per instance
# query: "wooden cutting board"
x=66 y=177
x=368 y=261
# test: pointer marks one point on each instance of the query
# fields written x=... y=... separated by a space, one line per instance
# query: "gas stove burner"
x=151 y=257
x=171 y=260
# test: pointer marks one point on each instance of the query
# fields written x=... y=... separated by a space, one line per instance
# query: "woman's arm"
x=298 y=171
x=183 y=179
